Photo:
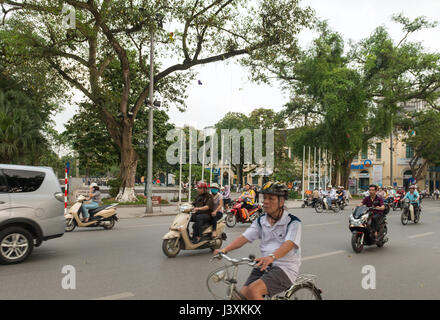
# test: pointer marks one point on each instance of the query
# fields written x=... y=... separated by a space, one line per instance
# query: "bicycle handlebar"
x=251 y=260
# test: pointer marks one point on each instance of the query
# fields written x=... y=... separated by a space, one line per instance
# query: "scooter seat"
x=96 y=210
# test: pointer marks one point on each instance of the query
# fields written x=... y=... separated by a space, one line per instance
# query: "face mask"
x=214 y=191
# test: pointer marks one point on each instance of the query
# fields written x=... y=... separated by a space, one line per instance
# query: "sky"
x=225 y=87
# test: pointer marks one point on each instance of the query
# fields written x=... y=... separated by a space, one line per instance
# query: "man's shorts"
x=275 y=279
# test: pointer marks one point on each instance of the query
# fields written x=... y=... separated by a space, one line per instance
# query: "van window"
x=23 y=180
x=3 y=185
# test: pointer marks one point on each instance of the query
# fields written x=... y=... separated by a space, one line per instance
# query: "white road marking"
x=148 y=225
x=320 y=224
x=323 y=255
x=421 y=235
x=117 y=296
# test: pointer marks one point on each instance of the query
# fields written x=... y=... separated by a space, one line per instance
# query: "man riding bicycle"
x=280 y=234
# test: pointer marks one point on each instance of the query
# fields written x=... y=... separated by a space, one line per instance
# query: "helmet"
x=276 y=188
x=202 y=185
x=215 y=186
x=93 y=184
x=329 y=186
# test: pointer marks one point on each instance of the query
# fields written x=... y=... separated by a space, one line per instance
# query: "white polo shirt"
x=272 y=237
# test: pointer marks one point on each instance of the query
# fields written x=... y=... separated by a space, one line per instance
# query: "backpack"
x=291 y=216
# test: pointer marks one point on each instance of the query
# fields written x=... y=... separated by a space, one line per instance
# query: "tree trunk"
x=345 y=172
x=129 y=160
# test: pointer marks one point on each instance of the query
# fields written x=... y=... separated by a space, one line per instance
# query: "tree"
x=24 y=119
x=353 y=97
x=107 y=31
x=423 y=135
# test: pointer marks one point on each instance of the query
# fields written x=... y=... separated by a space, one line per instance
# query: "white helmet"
x=93 y=184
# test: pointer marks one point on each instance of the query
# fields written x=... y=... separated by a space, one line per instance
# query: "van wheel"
x=16 y=244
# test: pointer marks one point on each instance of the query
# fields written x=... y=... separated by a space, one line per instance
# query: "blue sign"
x=68 y=166
x=367 y=164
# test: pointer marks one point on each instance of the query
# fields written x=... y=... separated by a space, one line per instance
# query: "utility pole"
x=391 y=156
x=149 y=208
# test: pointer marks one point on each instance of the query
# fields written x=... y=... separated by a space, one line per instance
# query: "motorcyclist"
x=376 y=202
x=217 y=213
x=95 y=200
x=315 y=196
x=331 y=195
x=280 y=234
x=413 y=197
x=226 y=193
x=248 y=197
x=203 y=207
x=340 y=193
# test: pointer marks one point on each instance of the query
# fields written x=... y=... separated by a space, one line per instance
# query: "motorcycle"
x=178 y=238
x=342 y=203
x=236 y=214
x=387 y=203
x=322 y=204
x=362 y=232
x=104 y=216
x=409 y=213
x=397 y=202
x=308 y=202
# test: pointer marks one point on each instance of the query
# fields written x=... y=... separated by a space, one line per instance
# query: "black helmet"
x=276 y=188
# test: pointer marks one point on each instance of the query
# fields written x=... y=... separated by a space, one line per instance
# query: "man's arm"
x=264 y=262
x=236 y=244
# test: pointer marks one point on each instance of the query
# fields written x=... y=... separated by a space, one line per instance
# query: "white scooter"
x=178 y=237
x=104 y=216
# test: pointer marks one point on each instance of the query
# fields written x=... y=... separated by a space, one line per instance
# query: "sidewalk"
x=126 y=212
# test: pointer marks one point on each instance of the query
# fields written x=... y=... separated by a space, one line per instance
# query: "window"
x=3 y=185
x=365 y=152
x=378 y=151
x=23 y=180
x=409 y=151
x=356 y=157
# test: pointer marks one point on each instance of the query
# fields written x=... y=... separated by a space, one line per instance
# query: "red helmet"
x=202 y=185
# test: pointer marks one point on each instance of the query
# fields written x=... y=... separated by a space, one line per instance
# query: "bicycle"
x=304 y=285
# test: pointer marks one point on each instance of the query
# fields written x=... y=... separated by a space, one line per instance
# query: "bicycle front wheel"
x=305 y=291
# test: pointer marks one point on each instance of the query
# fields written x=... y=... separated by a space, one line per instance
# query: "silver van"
x=31 y=210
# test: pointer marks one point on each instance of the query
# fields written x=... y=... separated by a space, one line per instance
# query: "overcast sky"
x=225 y=87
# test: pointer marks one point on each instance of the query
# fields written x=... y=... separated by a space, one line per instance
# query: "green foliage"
x=341 y=101
x=294 y=195
x=115 y=185
x=24 y=116
x=105 y=55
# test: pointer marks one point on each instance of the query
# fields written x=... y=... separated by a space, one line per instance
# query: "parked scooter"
x=362 y=232
x=236 y=213
x=409 y=213
x=104 y=216
x=178 y=238
x=322 y=204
